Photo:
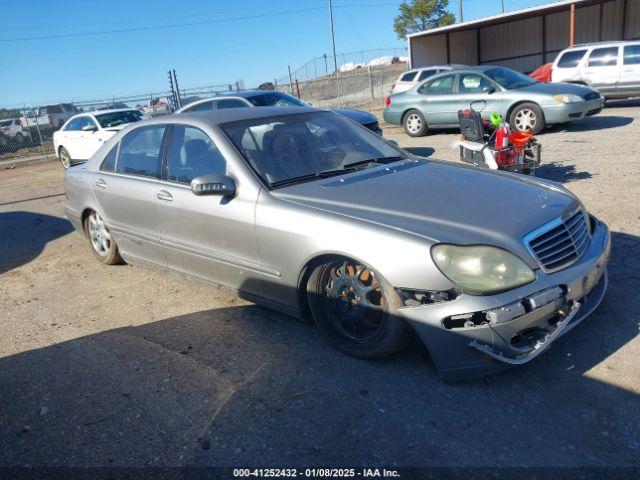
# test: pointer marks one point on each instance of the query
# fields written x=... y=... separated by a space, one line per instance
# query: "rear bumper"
x=520 y=324
x=567 y=112
x=74 y=217
x=394 y=117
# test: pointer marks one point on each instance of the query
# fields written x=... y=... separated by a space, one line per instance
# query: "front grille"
x=591 y=96
x=561 y=242
x=372 y=126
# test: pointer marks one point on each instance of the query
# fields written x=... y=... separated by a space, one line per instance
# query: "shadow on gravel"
x=597 y=122
x=622 y=103
x=559 y=172
x=244 y=385
x=421 y=151
x=23 y=236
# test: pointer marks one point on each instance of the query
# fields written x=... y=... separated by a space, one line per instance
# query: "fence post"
x=275 y=84
x=290 y=81
x=237 y=86
x=26 y=119
x=370 y=82
x=298 y=88
x=35 y=116
x=326 y=66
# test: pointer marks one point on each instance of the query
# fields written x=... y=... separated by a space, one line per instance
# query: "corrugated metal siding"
x=587 y=24
x=612 y=21
x=522 y=64
x=428 y=50
x=632 y=29
x=557 y=31
x=511 y=39
x=463 y=46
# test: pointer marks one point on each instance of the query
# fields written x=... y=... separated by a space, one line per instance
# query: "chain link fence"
x=363 y=79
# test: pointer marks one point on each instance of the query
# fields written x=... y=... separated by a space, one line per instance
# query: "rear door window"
x=438 y=86
x=632 y=55
x=408 y=77
x=571 y=59
x=202 y=107
x=231 y=103
x=603 y=57
x=426 y=74
x=140 y=151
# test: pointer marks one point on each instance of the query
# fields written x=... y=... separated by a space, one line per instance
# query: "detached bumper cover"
x=515 y=327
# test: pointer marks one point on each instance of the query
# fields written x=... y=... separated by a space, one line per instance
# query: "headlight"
x=480 y=269
x=567 y=98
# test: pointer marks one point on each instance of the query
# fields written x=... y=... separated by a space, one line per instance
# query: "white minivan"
x=611 y=68
x=412 y=77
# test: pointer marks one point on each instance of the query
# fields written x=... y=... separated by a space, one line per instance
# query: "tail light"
x=387 y=101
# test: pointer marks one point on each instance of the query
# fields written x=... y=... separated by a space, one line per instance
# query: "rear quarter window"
x=109 y=162
x=571 y=59
x=632 y=54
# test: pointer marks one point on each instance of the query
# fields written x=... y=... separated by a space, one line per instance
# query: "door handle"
x=101 y=184
x=164 y=196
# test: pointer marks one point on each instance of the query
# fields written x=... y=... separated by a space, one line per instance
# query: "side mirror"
x=213 y=184
x=89 y=128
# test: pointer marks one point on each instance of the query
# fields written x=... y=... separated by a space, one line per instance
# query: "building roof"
x=500 y=18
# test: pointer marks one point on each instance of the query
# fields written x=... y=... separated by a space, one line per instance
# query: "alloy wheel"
x=414 y=123
x=526 y=120
x=64 y=158
x=99 y=235
x=354 y=299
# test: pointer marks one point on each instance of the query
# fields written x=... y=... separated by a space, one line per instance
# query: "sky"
x=218 y=42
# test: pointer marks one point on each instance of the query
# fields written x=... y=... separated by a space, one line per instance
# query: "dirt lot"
x=126 y=366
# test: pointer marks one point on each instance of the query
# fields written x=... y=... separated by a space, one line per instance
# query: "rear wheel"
x=527 y=117
x=102 y=245
x=19 y=138
x=65 y=158
x=354 y=309
x=414 y=123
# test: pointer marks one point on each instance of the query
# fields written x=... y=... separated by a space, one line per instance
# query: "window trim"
x=160 y=155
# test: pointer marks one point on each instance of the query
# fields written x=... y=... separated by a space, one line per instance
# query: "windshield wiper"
x=307 y=177
x=382 y=160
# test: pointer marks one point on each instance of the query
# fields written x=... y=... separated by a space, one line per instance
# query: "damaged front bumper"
x=475 y=335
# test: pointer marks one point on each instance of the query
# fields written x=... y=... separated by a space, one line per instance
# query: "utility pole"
x=333 y=39
x=460 y=12
x=502 y=5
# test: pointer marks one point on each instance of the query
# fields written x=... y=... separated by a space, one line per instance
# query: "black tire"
x=527 y=114
x=414 y=123
x=20 y=138
x=65 y=158
x=109 y=253
x=359 y=328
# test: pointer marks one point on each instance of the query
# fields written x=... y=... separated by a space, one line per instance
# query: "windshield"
x=509 y=79
x=113 y=119
x=287 y=147
x=276 y=99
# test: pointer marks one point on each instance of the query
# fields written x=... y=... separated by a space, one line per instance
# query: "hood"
x=357 y=115
x=440 y=201
x=556 y=89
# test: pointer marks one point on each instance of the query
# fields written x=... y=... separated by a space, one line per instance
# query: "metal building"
x=525 y=39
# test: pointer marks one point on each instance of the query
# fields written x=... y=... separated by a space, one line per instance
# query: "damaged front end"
x=471 y=336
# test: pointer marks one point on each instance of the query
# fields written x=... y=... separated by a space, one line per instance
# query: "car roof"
x=429 y=67
x=111 y=110
x=582 y=46
x=243 y=93
x=217 y=117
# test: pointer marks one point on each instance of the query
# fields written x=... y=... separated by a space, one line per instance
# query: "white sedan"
x=84 y=134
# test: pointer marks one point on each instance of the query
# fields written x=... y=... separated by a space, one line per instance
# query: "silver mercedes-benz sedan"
x=309 y=213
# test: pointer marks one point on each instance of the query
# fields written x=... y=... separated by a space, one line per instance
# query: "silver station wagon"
x=309 y=213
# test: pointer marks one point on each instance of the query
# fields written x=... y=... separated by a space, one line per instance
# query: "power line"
x=188 y=24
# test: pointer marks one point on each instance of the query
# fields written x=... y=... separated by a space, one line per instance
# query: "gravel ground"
x=123 y=366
